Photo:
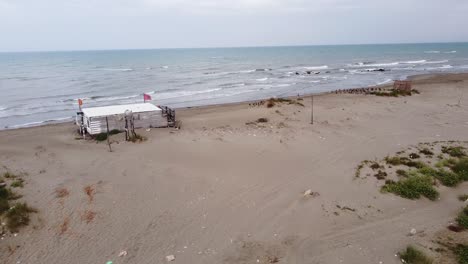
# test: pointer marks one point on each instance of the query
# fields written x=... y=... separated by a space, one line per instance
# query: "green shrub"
x=18 y=216
x=402 y=173
x=413 y=187
x=375 y=165
x=4 y=205
x=462 y=218
x=415 y=164
x=426 y=152
x=428 y=171
x=395 y=161
x=414 y=156
x=17 y=183
x=456 y=152
x=381 y=175
x=262 y=120
x=9 y=175
x=463 y=197
x=461 y=168
x=114 y=132
x=448 y=178
x=413 y=256
x=101 y=136
x=446 y=163
x=462 y=253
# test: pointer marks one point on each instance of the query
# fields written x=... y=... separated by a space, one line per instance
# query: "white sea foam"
x=432 y=51
x=262 y=79
x=446 y=67
x=38 y=123
x=283 y=85
x=165 y=67
x=311 y=68
x=2 y=108
x=362 y=64
x=415 y=62
x=247 y=71
x=385 y=82
x=436 y=62
x=453 y=51
x=168 y=95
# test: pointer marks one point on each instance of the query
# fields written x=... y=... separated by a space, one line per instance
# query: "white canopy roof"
x=119 y=109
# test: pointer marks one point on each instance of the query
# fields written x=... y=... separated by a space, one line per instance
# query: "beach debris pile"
x=309 y=192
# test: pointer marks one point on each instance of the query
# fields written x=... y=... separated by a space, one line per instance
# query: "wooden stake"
x=312 y=110
x=108 y=142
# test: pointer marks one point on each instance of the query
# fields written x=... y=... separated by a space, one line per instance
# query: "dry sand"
x=221 y=191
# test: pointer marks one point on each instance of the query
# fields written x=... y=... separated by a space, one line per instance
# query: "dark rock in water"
x=309 y=72
x=317 y=72
x=297 y=73
x=376 y=70
x=327 y=72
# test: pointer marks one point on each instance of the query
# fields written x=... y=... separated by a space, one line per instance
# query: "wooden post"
x=312 y=110
x=108 y=142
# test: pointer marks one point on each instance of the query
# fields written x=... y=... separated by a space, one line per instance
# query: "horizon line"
x=231 y=47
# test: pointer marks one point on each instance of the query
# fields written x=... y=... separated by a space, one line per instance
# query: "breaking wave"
x=117 y=69
x=324 y=67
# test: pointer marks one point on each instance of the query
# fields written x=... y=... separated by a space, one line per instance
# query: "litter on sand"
x=170 y=258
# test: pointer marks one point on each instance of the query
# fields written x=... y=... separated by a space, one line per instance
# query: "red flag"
x=80 y=102
x=146 y=97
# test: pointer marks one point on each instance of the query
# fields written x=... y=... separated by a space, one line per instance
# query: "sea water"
x=40 y=87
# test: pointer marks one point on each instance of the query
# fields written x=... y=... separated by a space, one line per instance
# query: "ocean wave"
x=311 y=68
x=168 y=95
x=452 y=51
x=230 y=85
x=385 y=82
x=117 y=69
x=363 y=64
x=415 y=62
x=262 y=70
x=3 y=108
x=247 y=71
x=446 y=67
x=262 y=79
x=38 y=123
x=436 y=62
x=283 y=85
x=165 y=67
x=391 y=64
x=432 y=51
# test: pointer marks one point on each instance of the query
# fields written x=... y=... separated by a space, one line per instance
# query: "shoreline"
x=414 y=78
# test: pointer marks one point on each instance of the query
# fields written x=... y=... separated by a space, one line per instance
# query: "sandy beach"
x=227 y=189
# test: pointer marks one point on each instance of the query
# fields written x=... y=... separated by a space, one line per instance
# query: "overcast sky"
x=27 y=25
